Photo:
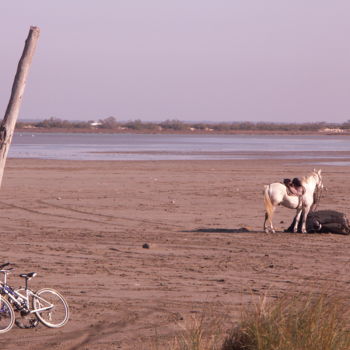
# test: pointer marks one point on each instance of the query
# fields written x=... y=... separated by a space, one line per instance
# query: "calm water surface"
x=170 y=147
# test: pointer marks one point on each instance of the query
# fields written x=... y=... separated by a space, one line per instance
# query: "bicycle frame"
x=30 y=293
x=22 y=301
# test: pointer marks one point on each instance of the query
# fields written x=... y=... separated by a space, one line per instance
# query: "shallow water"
x=73 y=146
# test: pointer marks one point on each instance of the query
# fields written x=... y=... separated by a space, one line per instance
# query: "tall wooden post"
x=8 y=124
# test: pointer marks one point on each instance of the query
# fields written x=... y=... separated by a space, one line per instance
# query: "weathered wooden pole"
x=8 y=124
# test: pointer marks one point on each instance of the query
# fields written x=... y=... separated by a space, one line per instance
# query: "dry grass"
x=293 y=322
x=204 y=332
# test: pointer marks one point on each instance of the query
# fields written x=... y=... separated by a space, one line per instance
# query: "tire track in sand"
x=85 y=213
x=145 y=221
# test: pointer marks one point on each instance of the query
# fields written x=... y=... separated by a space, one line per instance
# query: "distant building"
x=95 y=123
x=332 y=131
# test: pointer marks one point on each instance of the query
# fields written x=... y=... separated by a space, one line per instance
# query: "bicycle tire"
x=55 y=317
x=7 y=315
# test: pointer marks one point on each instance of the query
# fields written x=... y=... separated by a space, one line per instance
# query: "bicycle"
x=48 y=305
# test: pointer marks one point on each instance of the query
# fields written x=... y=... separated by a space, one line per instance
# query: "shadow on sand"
x=222 y=230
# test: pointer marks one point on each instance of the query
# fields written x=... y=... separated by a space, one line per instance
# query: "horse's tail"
x=268 y=204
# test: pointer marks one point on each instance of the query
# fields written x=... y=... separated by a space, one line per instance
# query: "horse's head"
x=316 y=174
x=318 y=178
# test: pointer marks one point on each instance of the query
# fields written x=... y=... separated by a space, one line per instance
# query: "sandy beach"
x=82 y=227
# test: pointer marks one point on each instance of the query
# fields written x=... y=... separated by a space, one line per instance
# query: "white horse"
x=276 y=194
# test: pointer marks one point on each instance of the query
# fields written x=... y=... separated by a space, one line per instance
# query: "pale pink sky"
x=212 y=60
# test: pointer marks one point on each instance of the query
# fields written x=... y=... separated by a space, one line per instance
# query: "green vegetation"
x=61 y=124
x=292 y=322
x=112 y=125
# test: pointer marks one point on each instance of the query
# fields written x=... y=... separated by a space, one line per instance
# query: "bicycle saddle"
x=4 y=265
x=28 y=275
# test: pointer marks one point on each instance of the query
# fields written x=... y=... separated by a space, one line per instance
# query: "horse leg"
x=268 y=216
x=270 y=208
x=297 y=219
x=303 y=223
x=265 y=226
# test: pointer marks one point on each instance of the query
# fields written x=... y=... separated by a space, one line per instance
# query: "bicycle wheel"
x=7 y=316
x=51 y=308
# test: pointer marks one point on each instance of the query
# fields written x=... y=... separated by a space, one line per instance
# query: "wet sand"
x=82 y=226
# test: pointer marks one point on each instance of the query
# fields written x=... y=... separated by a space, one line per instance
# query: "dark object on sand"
x=325 y=221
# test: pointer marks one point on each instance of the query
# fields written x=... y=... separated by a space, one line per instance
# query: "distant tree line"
x=112 y=124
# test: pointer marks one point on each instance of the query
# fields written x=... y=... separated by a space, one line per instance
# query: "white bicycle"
x=46 y=305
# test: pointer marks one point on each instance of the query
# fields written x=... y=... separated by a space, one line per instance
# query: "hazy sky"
x=194 y=60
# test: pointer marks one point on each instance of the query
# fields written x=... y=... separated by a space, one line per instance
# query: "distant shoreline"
x=111 y=126
x=176 y=132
